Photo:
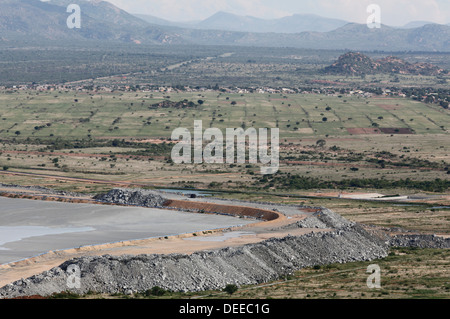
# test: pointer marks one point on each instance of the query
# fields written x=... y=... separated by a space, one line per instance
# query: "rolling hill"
x=224 y=21
x=292 y=24
x=32 y=21
x=416 y=24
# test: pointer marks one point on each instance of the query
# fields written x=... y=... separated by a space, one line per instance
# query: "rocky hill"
x=34 y=20
x=355 y=63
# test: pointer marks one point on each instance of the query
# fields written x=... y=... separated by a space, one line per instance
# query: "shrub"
x=230 y=289
x=155 y=291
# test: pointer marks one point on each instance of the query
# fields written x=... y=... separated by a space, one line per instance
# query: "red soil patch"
x=225 y=209
x=28 y=297
x=328 y=139
x=381 y=130
x=363 y=130
x=396 y=130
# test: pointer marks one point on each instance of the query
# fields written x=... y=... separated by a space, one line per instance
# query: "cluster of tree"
x=179 y=105
x=408 y=162
x=290 y=181
x=61 y=143
x=428 y=95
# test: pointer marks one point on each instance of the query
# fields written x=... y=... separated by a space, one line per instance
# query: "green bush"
x=230 y=289
x=155 y=291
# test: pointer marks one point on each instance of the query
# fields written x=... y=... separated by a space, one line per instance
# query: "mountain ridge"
x=100 y=20
x=225 y=21
x=290 y=24
x=33 y=20
x=293 y=23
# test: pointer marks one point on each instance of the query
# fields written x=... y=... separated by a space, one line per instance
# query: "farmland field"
x=127 y=115
x=123 y=136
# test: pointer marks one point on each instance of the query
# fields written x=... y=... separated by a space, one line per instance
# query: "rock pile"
x=138 y=197
x=322 y=219
x=244 y=265
x=18 y=189
x=419 y=241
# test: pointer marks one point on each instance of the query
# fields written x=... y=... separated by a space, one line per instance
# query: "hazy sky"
x=393 y=12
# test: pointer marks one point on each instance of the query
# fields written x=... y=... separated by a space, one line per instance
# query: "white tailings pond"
x=29 y=228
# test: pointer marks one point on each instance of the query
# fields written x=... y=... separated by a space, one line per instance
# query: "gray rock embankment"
x=419 y=241
x=137 y=197
x=322 y=219
x=248 y=264
x=18 y=189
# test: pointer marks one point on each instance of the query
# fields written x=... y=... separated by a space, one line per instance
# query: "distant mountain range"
x=231 y=22
x=355 y=63
x=418 y=24
x=296 y=23
x=33 y=21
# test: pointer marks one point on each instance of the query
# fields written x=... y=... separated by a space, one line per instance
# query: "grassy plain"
x=127 y=115
x=69 y=134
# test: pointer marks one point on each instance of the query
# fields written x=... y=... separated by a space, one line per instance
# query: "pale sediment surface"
x=36 y=227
